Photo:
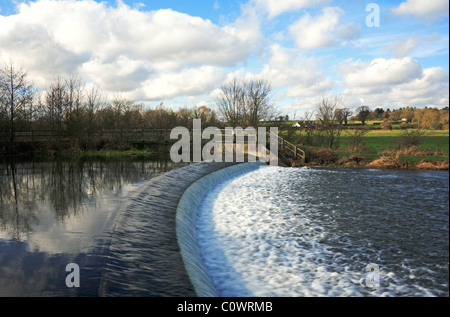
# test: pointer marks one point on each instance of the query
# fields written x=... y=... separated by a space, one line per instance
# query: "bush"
x=323 y=157
x=405 y=125
x=386 y=162
x=356 y=140
x=386 y=124
x=411 y=138
x=352 y=161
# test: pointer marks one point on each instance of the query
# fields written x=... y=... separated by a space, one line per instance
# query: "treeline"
x=408 y=117
x=73 y=110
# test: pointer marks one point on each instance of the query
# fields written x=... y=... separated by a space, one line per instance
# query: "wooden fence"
x=292 y=149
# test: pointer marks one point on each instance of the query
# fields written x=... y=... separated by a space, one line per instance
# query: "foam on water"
x=258 y=236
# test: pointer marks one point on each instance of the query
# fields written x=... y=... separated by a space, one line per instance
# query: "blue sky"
x=180 y=52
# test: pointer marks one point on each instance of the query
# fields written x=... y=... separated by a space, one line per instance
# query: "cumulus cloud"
x=432 y=88
x=381 y=72
x=120 y=48
x=277 y=7
x=301 y=76
x=395 y=82
x=323 y=30
x=194 y=81
x=120 y=74
x=423 y=8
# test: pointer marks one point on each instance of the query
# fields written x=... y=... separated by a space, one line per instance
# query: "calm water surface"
x=55 y=213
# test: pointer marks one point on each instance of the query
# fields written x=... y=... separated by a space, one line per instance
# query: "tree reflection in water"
x=53 y=213
x=65 y=188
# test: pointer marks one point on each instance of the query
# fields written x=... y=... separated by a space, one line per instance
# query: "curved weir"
x=186 y=224
x=143 y=256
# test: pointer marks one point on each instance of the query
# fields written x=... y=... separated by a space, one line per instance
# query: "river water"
x=327 y=232
x=60 y=212
x=270 y=232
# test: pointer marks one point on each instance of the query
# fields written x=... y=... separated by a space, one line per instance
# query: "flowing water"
x=247 y=230
x=327 y=232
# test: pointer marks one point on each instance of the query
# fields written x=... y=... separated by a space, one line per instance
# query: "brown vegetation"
x=386 y=162
x=352 y=161
x=443 y=165
x=323 y=157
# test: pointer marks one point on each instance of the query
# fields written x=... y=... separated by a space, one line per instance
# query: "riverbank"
x=336 y=159
x=379 y=149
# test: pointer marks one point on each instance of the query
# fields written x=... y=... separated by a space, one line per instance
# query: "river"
x=327 y=232
x=269 y=232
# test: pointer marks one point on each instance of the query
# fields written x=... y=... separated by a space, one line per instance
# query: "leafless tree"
x=244 y=102
x=326 y=115
x=57 y=104
x=231 y=101
x=16 y=97
x=258 y=104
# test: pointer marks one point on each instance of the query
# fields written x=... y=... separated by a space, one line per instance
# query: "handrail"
x=296 y=151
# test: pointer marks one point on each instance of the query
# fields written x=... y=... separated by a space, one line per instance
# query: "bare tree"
x=231 y=101
x=75 y=93
x=16 y=98
x=57 y=104
x=326 y=114
x=258 y=104
x=94 y=102
x=244 y=102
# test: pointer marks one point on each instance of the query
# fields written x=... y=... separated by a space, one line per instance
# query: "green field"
x=380 y=140
x=376 y=144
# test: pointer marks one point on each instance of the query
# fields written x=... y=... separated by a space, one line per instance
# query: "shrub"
x=411 y=138
x=386 y=124
x=354 y=160
x=323 y=157
x=386 y=162
x=443 y=165
x=356 y=143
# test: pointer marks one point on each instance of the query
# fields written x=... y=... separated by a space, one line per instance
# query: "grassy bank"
x=110 y=154
x=383 y=149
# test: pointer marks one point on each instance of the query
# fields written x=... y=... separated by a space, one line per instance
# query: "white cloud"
x=194 y=81
x=119 y=48
x=432 y=88
x=277 y=7
x=428 y=9
x=418 y=46
x=323 y=30
x=121 y=74
x=381 y=72
x=302 y=76
x=397 y=82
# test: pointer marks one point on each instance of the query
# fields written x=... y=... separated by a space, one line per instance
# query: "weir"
x=143 y=257
x=186 y=224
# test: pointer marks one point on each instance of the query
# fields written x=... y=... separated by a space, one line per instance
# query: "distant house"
x=304 y=124
x=404 y=120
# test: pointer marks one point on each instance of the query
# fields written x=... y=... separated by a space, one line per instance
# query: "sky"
x=386 y=54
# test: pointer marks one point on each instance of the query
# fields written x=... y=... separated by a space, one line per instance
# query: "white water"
x=258 y=238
